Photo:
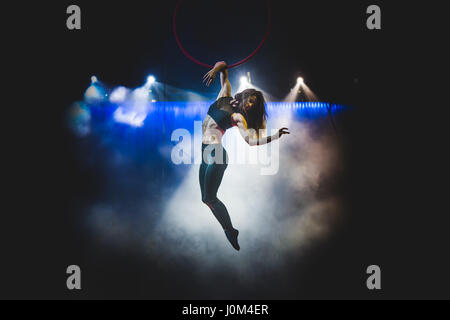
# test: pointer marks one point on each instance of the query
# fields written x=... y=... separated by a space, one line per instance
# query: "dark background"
x=395 y=217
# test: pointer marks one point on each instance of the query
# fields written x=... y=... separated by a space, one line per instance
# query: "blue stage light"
x=95 y=94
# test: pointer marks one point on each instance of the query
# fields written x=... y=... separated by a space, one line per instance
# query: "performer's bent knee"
x=209 y=201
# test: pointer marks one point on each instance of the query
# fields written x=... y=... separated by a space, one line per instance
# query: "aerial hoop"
x=210 y=66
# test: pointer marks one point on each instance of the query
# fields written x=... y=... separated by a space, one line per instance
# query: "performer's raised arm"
x=209 y=77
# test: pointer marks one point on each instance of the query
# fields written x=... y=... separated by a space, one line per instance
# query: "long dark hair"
x=256 y=116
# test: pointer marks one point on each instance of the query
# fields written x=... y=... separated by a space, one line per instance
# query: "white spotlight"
x=244 y=80
x=94 y=79
x=300 y=80
x=150 y=80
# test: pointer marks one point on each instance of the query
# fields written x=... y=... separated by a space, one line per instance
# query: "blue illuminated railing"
x=143 y=140
x=174 y=111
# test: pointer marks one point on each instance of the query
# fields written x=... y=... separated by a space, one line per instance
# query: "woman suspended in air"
x=247 y=112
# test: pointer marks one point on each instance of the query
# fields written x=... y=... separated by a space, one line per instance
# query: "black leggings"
x=211 y=174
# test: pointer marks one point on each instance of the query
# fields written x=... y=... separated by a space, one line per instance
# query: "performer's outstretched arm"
x=250 y=135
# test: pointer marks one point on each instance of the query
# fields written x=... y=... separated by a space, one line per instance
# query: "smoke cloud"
x=277 y=215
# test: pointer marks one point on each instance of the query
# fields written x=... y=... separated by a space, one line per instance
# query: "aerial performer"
x=246 y=111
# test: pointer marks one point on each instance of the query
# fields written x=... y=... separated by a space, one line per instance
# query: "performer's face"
x=251 y=102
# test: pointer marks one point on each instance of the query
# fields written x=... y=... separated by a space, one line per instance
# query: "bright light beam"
x=299 y=87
